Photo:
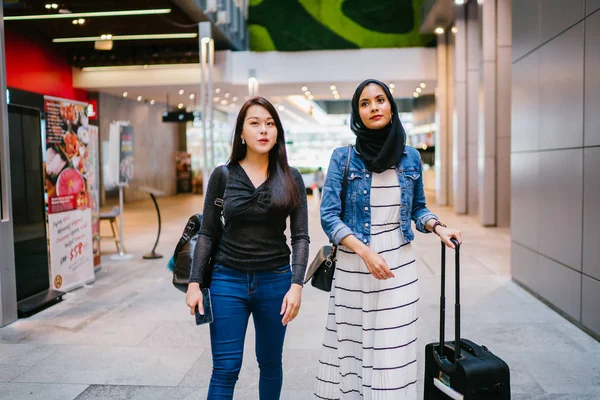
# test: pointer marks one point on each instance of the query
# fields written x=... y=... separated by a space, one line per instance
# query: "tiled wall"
x=154 y=142
x=555 y=154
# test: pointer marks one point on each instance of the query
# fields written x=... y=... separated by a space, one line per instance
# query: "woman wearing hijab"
x=370 y=346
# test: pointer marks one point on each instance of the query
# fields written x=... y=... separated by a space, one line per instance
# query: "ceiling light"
x=181 y=92
x=335 y=92
x=75 y=22
x=227 y=95
x=152 y=102
x=459 y=2
x=180 y=106
x=392 y=86
x=304 y=88
x=139 y=98
x=307 y=93
x=223 y=102
x=422 y=85
x=159 y=36
x=337 y=96
x=124 y=94
x=454 y=29
x=48 y=6
x=192 y=96
x=88 y=14
x=418 y=90
x=217 y=90
x=416 y=94
x=439 y=30
x=81 y=21
x=217 y=99
x=332 y=87
x=311 y=97
x=234 y=98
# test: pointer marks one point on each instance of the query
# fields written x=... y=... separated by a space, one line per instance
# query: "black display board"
x=28 y=204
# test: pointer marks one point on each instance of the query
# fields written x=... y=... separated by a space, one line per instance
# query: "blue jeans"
x=235 y=295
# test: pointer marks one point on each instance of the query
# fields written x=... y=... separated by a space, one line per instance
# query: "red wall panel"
x=38 y=68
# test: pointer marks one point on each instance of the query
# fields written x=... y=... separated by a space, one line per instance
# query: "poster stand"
x=123 y=255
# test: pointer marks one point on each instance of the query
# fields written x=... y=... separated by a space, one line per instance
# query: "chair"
x=111 y=217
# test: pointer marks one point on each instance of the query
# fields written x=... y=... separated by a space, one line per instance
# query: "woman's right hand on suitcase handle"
x=194 y=298
x=377 y=265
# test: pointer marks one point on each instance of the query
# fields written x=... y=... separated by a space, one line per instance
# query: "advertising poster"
x=126 y=154
x=94 y=190
x=67 y=156
x=71 y=252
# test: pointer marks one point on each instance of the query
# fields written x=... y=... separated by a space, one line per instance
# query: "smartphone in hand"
x=207 y=318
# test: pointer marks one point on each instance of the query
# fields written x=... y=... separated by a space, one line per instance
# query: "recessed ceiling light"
x=422 y=85
x=216 y=99
x=235 y=98
x=75 y=22
x=180 y=106
x=416 y=94
x=139 y=98
x=439 y=30
x=160 y=36
x=459 y=2
x=392 y=86
x=192 y=96
x=311 y=97
x=454 y=29
x=227 y=95
x=81 y=21
x=332 y=87
x=124 y=94
x=307 y=93
x=224 y=102
x=181 y=92
x=304 y=88
x=121 y=13
x=217 y=90
x=48 y=6
x=337 y=96
x=418 y=90
x=152 y=102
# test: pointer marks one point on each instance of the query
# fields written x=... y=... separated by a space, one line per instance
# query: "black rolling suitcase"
x=476 y=374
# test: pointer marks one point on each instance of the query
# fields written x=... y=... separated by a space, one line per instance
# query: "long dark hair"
x=284 y=191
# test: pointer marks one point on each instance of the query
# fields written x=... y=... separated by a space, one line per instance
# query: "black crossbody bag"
x=321 y=270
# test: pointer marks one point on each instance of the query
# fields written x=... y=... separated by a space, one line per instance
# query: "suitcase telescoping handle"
x=440 y=358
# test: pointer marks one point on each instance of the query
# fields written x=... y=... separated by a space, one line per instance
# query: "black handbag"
x=321 y=270
x=181 y=262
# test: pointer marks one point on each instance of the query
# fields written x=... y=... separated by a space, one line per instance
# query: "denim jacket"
x=357 y=214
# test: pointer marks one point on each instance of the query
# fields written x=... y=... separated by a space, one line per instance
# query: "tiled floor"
x=130 y=336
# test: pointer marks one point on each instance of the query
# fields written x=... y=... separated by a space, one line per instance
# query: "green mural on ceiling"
x=298 y=25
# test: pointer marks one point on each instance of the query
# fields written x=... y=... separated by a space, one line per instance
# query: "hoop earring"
x=243 y=141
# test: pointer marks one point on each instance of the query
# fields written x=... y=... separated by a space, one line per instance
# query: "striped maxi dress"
x=370 y=346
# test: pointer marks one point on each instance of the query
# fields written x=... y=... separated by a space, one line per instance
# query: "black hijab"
x=380 y=148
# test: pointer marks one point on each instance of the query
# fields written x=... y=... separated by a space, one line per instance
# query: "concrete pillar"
x=451 y=107
x=494 y=125
x=441 y=117
x=473 y=62
x=8 y=286
x=460 y=128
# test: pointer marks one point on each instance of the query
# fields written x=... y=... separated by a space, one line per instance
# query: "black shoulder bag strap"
x=343 y=198
x=219 y=202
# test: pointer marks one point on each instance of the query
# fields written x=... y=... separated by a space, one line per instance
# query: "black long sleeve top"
x=254 y=236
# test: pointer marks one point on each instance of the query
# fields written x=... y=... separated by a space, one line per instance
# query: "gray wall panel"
x=525 y=103
x=592 y=80
x=524 y=266
x=592 y=6
x=561 y=90
x=560 y=285
x=558 y=15
x=525 y=27
x=524 y=199
x=591 y=299
x=560 y=206
x=591 y=212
